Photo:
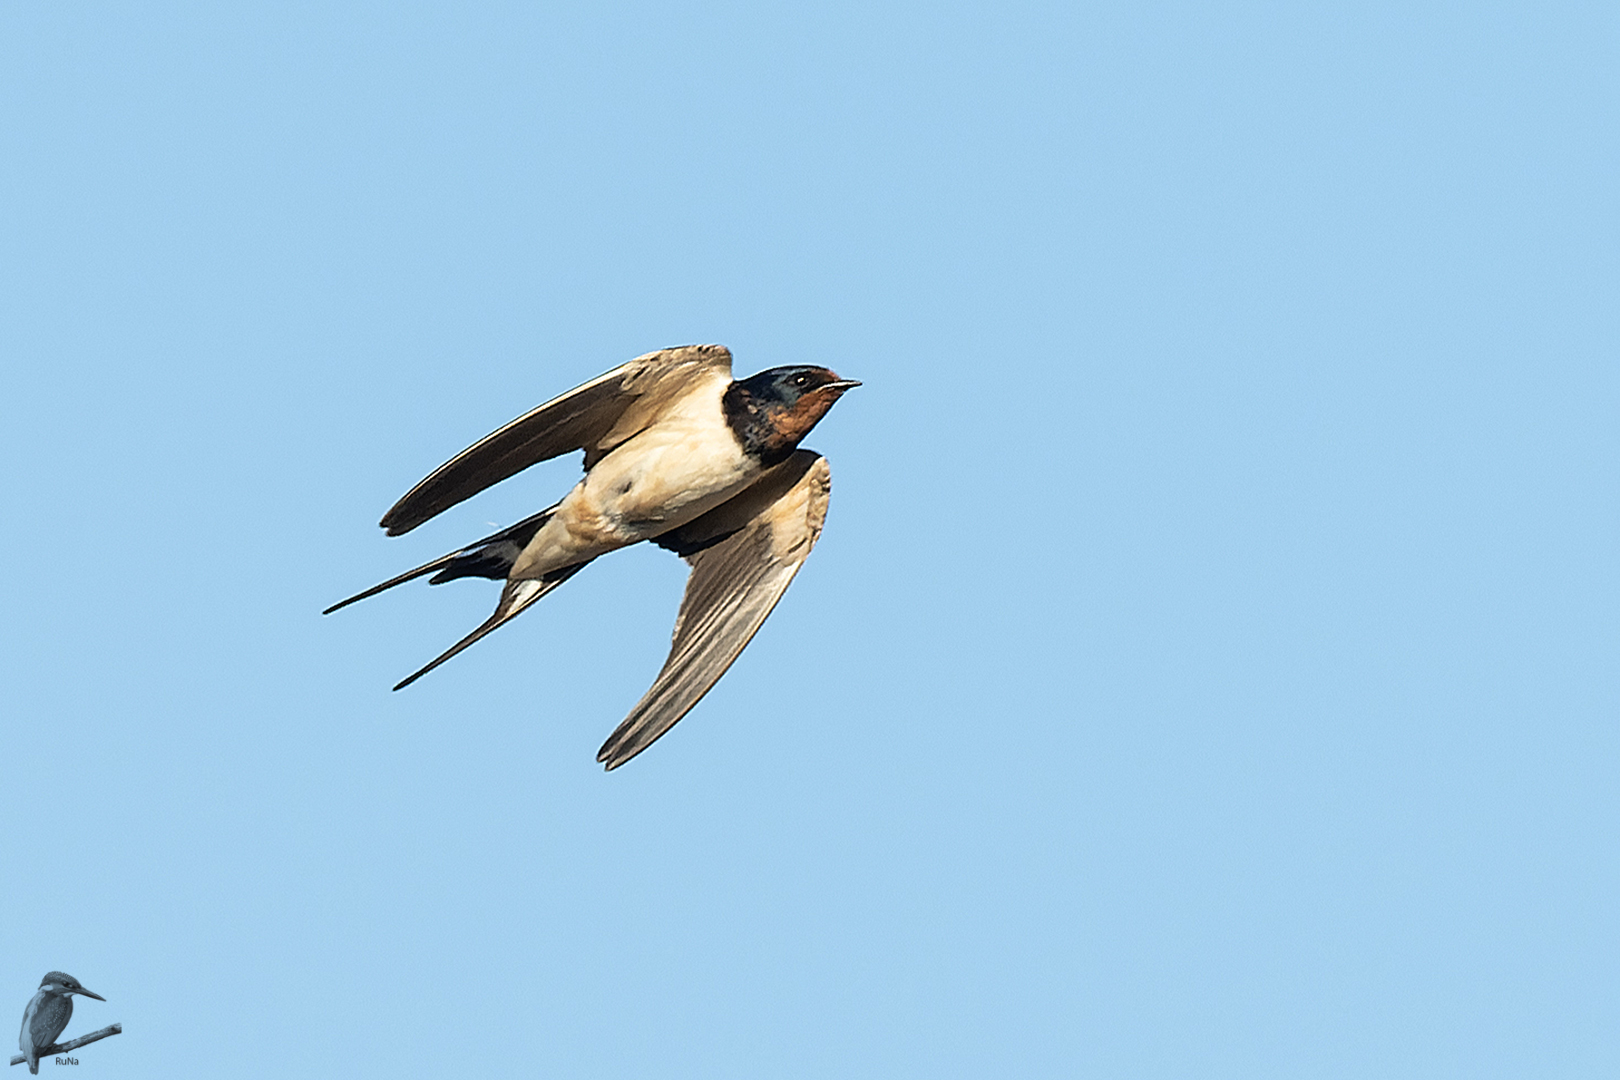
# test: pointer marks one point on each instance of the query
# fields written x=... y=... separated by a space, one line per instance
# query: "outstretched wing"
x=743 y=555
x=589 y=417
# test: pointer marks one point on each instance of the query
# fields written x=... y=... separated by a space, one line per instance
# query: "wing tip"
x=607 y=756
x=621 y=746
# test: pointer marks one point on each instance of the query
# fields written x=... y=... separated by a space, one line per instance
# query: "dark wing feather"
x=744 y=554
x=578 y=420
x=51 y=1020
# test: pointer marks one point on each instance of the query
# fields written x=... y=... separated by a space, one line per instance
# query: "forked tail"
x=517 y=596
x=492 y=557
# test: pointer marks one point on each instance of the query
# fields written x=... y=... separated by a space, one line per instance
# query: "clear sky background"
x=1208 y=669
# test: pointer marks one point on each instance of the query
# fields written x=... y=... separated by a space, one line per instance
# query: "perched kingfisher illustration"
x=48 y=1014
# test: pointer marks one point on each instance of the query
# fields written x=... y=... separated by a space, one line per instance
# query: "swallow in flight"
x=678 y=453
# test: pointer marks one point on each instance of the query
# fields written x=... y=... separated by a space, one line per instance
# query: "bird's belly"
x=658 y=481
x=668 y=487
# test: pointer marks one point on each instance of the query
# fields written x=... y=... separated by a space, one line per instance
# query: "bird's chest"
x=665 y=477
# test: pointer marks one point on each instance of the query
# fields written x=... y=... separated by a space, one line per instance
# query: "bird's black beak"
x=89 y=993
x=840 y=385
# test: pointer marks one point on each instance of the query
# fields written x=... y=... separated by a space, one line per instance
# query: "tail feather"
x=492 y=557
x=493 y=562
x=516 y=597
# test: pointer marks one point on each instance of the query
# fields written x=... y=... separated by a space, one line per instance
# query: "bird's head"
x=60 y=982
x=773 y=410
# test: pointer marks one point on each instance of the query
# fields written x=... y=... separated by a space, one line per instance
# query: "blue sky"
x=1208 y=668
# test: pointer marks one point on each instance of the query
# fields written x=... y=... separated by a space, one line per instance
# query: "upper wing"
x=743 y=555
x=581 y=419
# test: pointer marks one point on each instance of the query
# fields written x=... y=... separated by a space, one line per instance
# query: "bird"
x=678 y=453
x=48 y=1013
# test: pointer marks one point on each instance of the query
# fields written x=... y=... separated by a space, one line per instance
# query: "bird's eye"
x=800 y=379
